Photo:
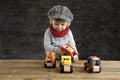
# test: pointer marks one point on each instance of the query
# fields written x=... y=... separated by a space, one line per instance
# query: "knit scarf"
x=58 y=34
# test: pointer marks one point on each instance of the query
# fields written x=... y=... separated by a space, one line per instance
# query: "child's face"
x=59 y=25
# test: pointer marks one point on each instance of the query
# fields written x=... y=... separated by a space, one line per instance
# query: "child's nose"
x=60 y=28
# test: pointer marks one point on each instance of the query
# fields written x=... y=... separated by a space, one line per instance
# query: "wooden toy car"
x=69 y=50
x=66 y=64
x=50 y=60
x=93 y=64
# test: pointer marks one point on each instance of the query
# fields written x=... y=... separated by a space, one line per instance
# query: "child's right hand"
x=60 y=52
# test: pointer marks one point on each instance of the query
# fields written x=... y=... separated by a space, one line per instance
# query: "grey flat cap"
x=61 y=12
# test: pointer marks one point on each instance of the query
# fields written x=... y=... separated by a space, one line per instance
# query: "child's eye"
x=63 y=24
x=56 y=24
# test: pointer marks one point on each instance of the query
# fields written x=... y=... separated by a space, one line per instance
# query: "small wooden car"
x=50 y=60
x=66 y=64
x=69 y=50
x=93 y=64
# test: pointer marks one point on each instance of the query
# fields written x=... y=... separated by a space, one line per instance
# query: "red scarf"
x=58 y=34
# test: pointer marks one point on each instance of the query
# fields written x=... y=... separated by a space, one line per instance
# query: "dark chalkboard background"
x=96 y=27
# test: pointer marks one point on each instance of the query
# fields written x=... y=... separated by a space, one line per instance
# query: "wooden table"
x=34 y=70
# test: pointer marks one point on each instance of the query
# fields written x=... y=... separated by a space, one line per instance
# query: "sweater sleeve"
x=71 y=41
x=47 y=42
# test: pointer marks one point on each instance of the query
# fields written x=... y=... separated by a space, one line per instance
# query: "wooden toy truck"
x=93 y=64
x=69 y=51
x=66 y=64
x=50 y=60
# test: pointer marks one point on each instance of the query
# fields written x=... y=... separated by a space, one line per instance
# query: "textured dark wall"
x=96 y=27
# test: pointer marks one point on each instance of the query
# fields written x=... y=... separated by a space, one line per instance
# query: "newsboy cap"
x=61 y=12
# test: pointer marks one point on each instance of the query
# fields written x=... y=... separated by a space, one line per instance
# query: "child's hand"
x=60 y=52
x=75 y=57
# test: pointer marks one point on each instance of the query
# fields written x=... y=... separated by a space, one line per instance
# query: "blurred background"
x=96 y=27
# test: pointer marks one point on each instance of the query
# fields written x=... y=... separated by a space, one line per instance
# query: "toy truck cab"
x=93 y=64
x=69 y=50
x=50 y=60
x=66 y=64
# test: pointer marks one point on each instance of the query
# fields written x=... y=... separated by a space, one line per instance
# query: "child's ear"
x=51 y=21
x=68 y=24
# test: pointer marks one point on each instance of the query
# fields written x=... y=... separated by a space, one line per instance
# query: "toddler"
x=58 y=33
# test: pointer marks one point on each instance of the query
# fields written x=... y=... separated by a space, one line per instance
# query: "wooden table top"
x=34 y=70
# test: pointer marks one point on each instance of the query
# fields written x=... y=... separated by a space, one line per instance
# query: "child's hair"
x=60 y=12
x=57 y=19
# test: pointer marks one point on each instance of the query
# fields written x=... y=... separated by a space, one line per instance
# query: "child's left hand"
x=75 y=57
x=60 y=52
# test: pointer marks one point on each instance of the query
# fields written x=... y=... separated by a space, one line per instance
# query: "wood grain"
x=34 y=70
